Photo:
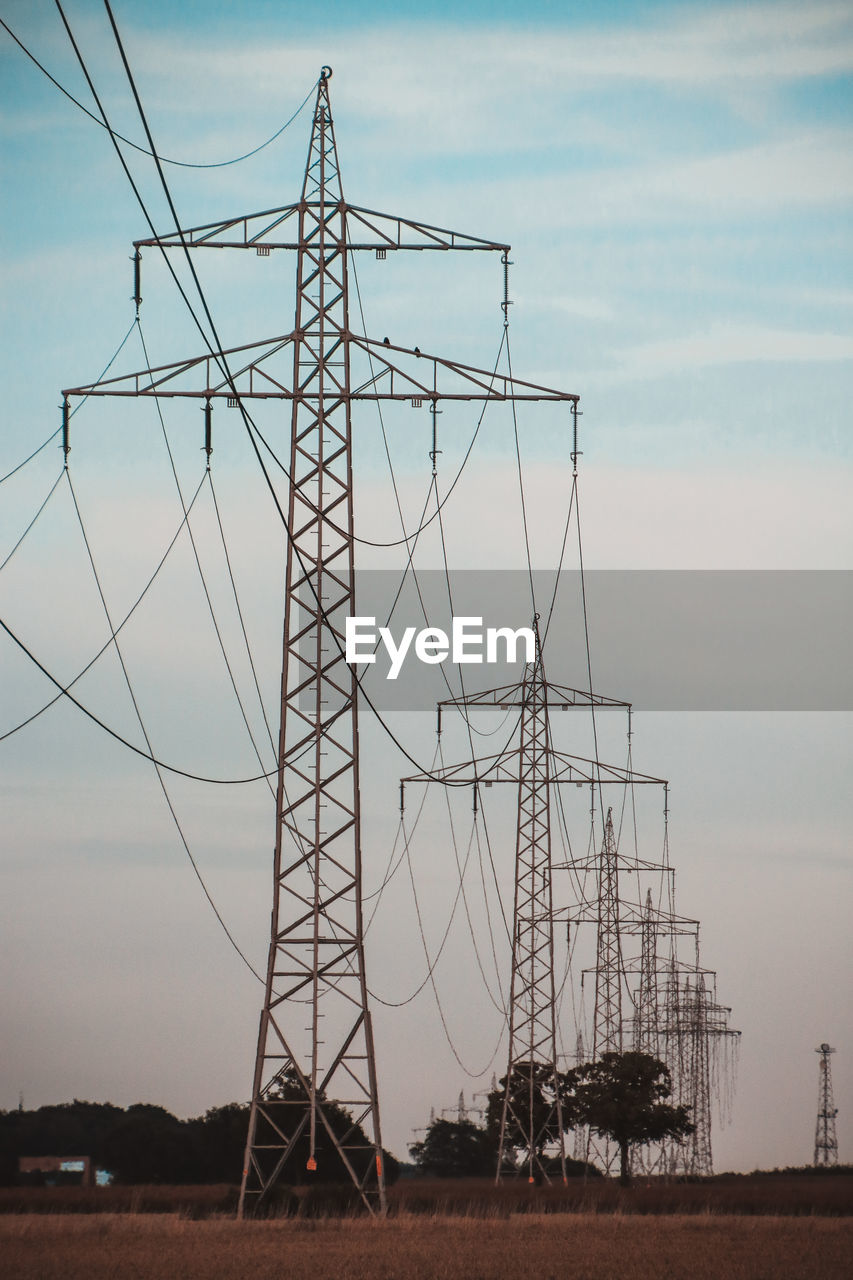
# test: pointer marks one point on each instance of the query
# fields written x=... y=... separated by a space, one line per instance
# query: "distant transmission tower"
x=607 y=1018
x=825 y=1141
x=315 y=1045
x=700 y=1160
x=532 y=1059
x=531 y=1135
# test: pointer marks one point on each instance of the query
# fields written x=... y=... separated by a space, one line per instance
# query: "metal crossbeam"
x=367 y=229
x=273 y=370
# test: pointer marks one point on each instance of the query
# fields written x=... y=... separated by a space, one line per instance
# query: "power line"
x=34 y=454
x=203 y=580
x=183 y=164
x=99 y=379
x=217 y=354
x=127 y=616
x=146 y=755
x=138 y=713
x=51 y=492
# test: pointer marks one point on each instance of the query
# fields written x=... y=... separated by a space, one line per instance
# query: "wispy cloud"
x=457 y=87
x=727 y=344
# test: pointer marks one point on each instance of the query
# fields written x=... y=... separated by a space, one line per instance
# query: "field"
x=780 y=1195
x=760 y=1227
x=550 y=1247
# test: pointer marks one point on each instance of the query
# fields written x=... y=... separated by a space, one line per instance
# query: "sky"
x=676 y=184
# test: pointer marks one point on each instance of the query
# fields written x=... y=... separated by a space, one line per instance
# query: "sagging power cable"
x=144 y=731
x=34 y=520
x=65 y=691
x=182 y=164
x=77 y=407
x=52 y=702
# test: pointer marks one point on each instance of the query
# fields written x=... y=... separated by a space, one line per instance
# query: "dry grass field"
x=549 y=1247
x=773 y=1194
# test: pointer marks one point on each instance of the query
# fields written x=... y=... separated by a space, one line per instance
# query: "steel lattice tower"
x=315 y=1046
x=532 y=1057
x=700 y=1159
x=646 y=1013
x=607 y=1019
x=825 y=1140
x=316 y=948
x=535 y=767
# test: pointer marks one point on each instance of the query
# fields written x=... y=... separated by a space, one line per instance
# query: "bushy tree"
x=623 y=1096
x=530 y=1084
x=218 y=1143
x=455 y=1149
x=147 y=1144
x=284 y=1108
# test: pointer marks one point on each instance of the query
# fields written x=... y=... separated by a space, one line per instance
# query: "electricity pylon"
x=532 y=1002
x=695 y=1036
x=315 y=1046
x=607 y=1018
x=531 y=1130
x=646 y=1012
x=825 y=1140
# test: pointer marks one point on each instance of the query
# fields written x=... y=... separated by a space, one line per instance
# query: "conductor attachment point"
x=325 y=73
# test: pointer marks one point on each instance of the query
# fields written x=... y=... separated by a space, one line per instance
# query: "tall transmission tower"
x=825 y=1140
x=315 y=1045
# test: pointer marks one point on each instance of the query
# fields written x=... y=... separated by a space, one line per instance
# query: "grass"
x=759 y=1194
x=568 y=1247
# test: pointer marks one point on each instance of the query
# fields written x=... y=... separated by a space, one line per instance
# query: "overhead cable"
x=144 y=731
x=183 y=164
x=146 y=755
x=100 y=378
x=46 y=707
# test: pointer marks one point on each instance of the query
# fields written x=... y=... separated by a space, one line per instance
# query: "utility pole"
x=315 y=1050
x=825 y=1140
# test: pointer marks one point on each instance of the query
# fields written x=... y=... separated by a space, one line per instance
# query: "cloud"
x=682 y=46
x=734 y=344
x=461 y=87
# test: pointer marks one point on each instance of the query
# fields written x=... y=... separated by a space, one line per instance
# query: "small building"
x=55 y=1171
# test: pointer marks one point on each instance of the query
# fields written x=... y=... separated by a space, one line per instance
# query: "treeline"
x=137 y=1144
x=146 y=1144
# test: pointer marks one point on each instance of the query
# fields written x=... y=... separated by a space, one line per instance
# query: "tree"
x=148 y=1145
x=281 y=1114
x=217 y=1143
x=455 y=1149
x=623 y=1096
x=531 y=1087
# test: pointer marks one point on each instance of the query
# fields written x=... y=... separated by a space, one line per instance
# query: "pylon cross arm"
x=265 y=372
x=507 y=768
x=368 y=230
